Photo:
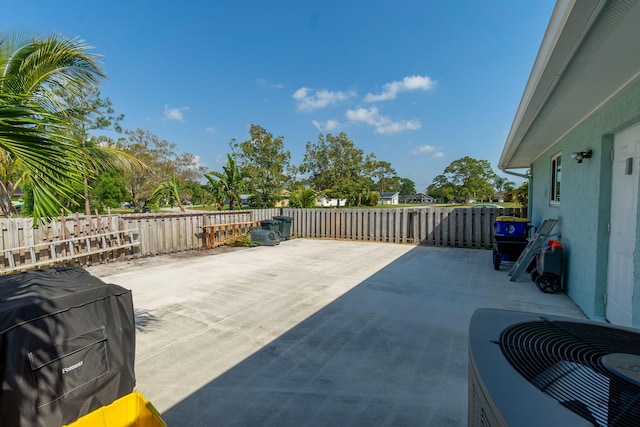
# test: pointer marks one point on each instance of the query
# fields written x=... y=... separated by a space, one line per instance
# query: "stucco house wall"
x=585 y=201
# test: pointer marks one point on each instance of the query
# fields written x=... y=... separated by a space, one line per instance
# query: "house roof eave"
x=568 y=26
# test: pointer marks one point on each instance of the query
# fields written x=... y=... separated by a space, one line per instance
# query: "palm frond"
x=45 y=154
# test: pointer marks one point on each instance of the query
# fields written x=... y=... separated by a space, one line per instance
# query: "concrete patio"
x=316 y=332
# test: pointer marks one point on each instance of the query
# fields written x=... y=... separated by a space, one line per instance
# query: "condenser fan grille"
x=565 y=361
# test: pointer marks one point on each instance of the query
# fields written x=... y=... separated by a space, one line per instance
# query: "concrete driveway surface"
x=315 y=332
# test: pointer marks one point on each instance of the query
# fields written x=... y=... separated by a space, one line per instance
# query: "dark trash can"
x=264 y=237
x=273 y=226
x=270 y=224
x=549 y=264
x=285 y=226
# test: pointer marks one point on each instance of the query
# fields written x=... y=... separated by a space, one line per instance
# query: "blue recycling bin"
x=511 y=226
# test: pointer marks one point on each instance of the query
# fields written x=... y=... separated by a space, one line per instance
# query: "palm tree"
x=521 y=194
x=215 y=191
x=34 y=143
x=302 y=197
x=501 y=184
x=231 y=180
x=29 y=152
x=172 y=189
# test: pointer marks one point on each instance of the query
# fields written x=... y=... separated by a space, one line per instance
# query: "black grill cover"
x=67 y=344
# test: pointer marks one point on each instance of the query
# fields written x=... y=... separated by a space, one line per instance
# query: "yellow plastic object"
x=132 y=410
x=512 y=219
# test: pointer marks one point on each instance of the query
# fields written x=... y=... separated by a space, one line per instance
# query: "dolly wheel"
x=548 y=283
x=534 y=275
x=496 y=260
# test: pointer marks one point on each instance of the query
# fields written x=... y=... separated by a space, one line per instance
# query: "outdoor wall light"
x=578 y=156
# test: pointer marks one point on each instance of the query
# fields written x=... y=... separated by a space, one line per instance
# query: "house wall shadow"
x=391 y=351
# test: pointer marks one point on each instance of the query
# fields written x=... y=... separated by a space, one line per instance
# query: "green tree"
x=442 y=189
x=334 y=163
x=407 y=187
x=87 y=112
x=303 y=197
x=109 y=190
x=161 y=160
x=384 y=175
x=194 y=192
x=171 y=190
x=372 y=199
x=473 y=177
x=521 y=194
x=214 y=192
x=232 y=180
x=265 y=161
x=35 y=150
x=502 y=184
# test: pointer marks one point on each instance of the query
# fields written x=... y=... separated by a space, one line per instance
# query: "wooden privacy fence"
x=219 y=234
x=454 y=227
x=89 y=239
x=176 y=232
x=111 y=243
x=70 y=239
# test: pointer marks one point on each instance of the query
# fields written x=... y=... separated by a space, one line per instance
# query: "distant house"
x=284 y=203
x=326 y=203
x=417 y=198
x=389 y=198
x=577 y=130
x=499 y=196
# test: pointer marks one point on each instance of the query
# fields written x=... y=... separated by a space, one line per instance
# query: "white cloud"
x=174 y=113
x=399 y=126
x=327 y=126
x=423 y=149
x=382 y=124
x=370 y=116
x=196 y=163
x=408 y=84
x=210 y=129
x=429 y=149
x=307 y=99
x=263 y=83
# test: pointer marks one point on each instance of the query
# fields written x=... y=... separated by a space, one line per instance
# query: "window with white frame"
x=556 y=177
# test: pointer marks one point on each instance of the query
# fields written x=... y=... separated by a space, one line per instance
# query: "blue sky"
x=419 y=83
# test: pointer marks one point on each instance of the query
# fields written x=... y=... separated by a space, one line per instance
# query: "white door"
x=622 y=239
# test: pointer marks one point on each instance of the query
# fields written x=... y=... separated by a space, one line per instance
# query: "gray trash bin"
x=263 y=237
x=271 y=225
x=285 y=226
x=549 y=264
